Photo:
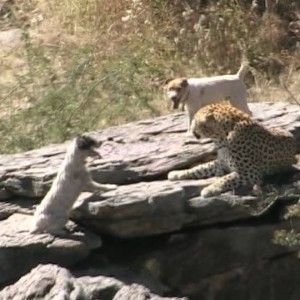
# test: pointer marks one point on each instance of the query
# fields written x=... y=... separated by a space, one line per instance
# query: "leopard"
x=247 y=151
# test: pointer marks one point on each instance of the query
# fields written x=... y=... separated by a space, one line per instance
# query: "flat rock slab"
x=149 y=208
x=139 y=151
x=16 y=205
x=20 y=251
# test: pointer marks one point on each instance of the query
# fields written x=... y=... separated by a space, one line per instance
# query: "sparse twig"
x=290 y=93
x=88 y=92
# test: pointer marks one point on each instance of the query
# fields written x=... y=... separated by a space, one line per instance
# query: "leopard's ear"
x=184 y=83
x=168 y=80
x=210 y=118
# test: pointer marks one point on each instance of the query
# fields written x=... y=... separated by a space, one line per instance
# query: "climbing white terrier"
x=72 y=178
x=194 y=93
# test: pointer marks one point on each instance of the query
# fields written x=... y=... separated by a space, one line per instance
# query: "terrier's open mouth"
x=176 y=103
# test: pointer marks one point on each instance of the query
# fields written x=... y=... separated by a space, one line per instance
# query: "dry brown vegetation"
x=85 y=65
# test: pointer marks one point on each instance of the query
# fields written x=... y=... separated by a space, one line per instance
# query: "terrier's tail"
x=243 y=69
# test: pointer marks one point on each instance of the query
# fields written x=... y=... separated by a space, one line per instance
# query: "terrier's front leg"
x=189 y=118
x=94 y=186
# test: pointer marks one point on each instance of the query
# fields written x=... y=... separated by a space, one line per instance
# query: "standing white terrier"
x=72 y=178
x=195 y=93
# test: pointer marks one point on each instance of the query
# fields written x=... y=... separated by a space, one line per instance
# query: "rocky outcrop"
x=20 y=251
x=53 y=282
x=138 y=292
x=143 y=151
x=158 y=237
x=229 y=262
x=157 y=207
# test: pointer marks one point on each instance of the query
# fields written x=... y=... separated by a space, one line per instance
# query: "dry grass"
x=287 y=90
x=86 y=65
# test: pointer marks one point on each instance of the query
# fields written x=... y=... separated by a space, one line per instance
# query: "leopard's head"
x=216 y=121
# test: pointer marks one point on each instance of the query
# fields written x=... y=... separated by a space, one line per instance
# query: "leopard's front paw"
x=176 y=175
x=210 y=191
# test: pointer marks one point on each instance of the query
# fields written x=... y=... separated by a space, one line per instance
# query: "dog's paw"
x=109 y=187
x=189 y=133
x=34 y=230
x=53 y=231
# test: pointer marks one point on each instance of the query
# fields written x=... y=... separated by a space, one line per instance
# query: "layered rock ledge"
x=159 y=237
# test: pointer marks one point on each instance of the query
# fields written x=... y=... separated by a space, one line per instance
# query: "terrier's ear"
x=184 y=83
x=168 y=80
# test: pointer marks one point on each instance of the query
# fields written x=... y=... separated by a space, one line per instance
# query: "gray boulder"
x=20 y=251
x=53 y=282
x=228 y=262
